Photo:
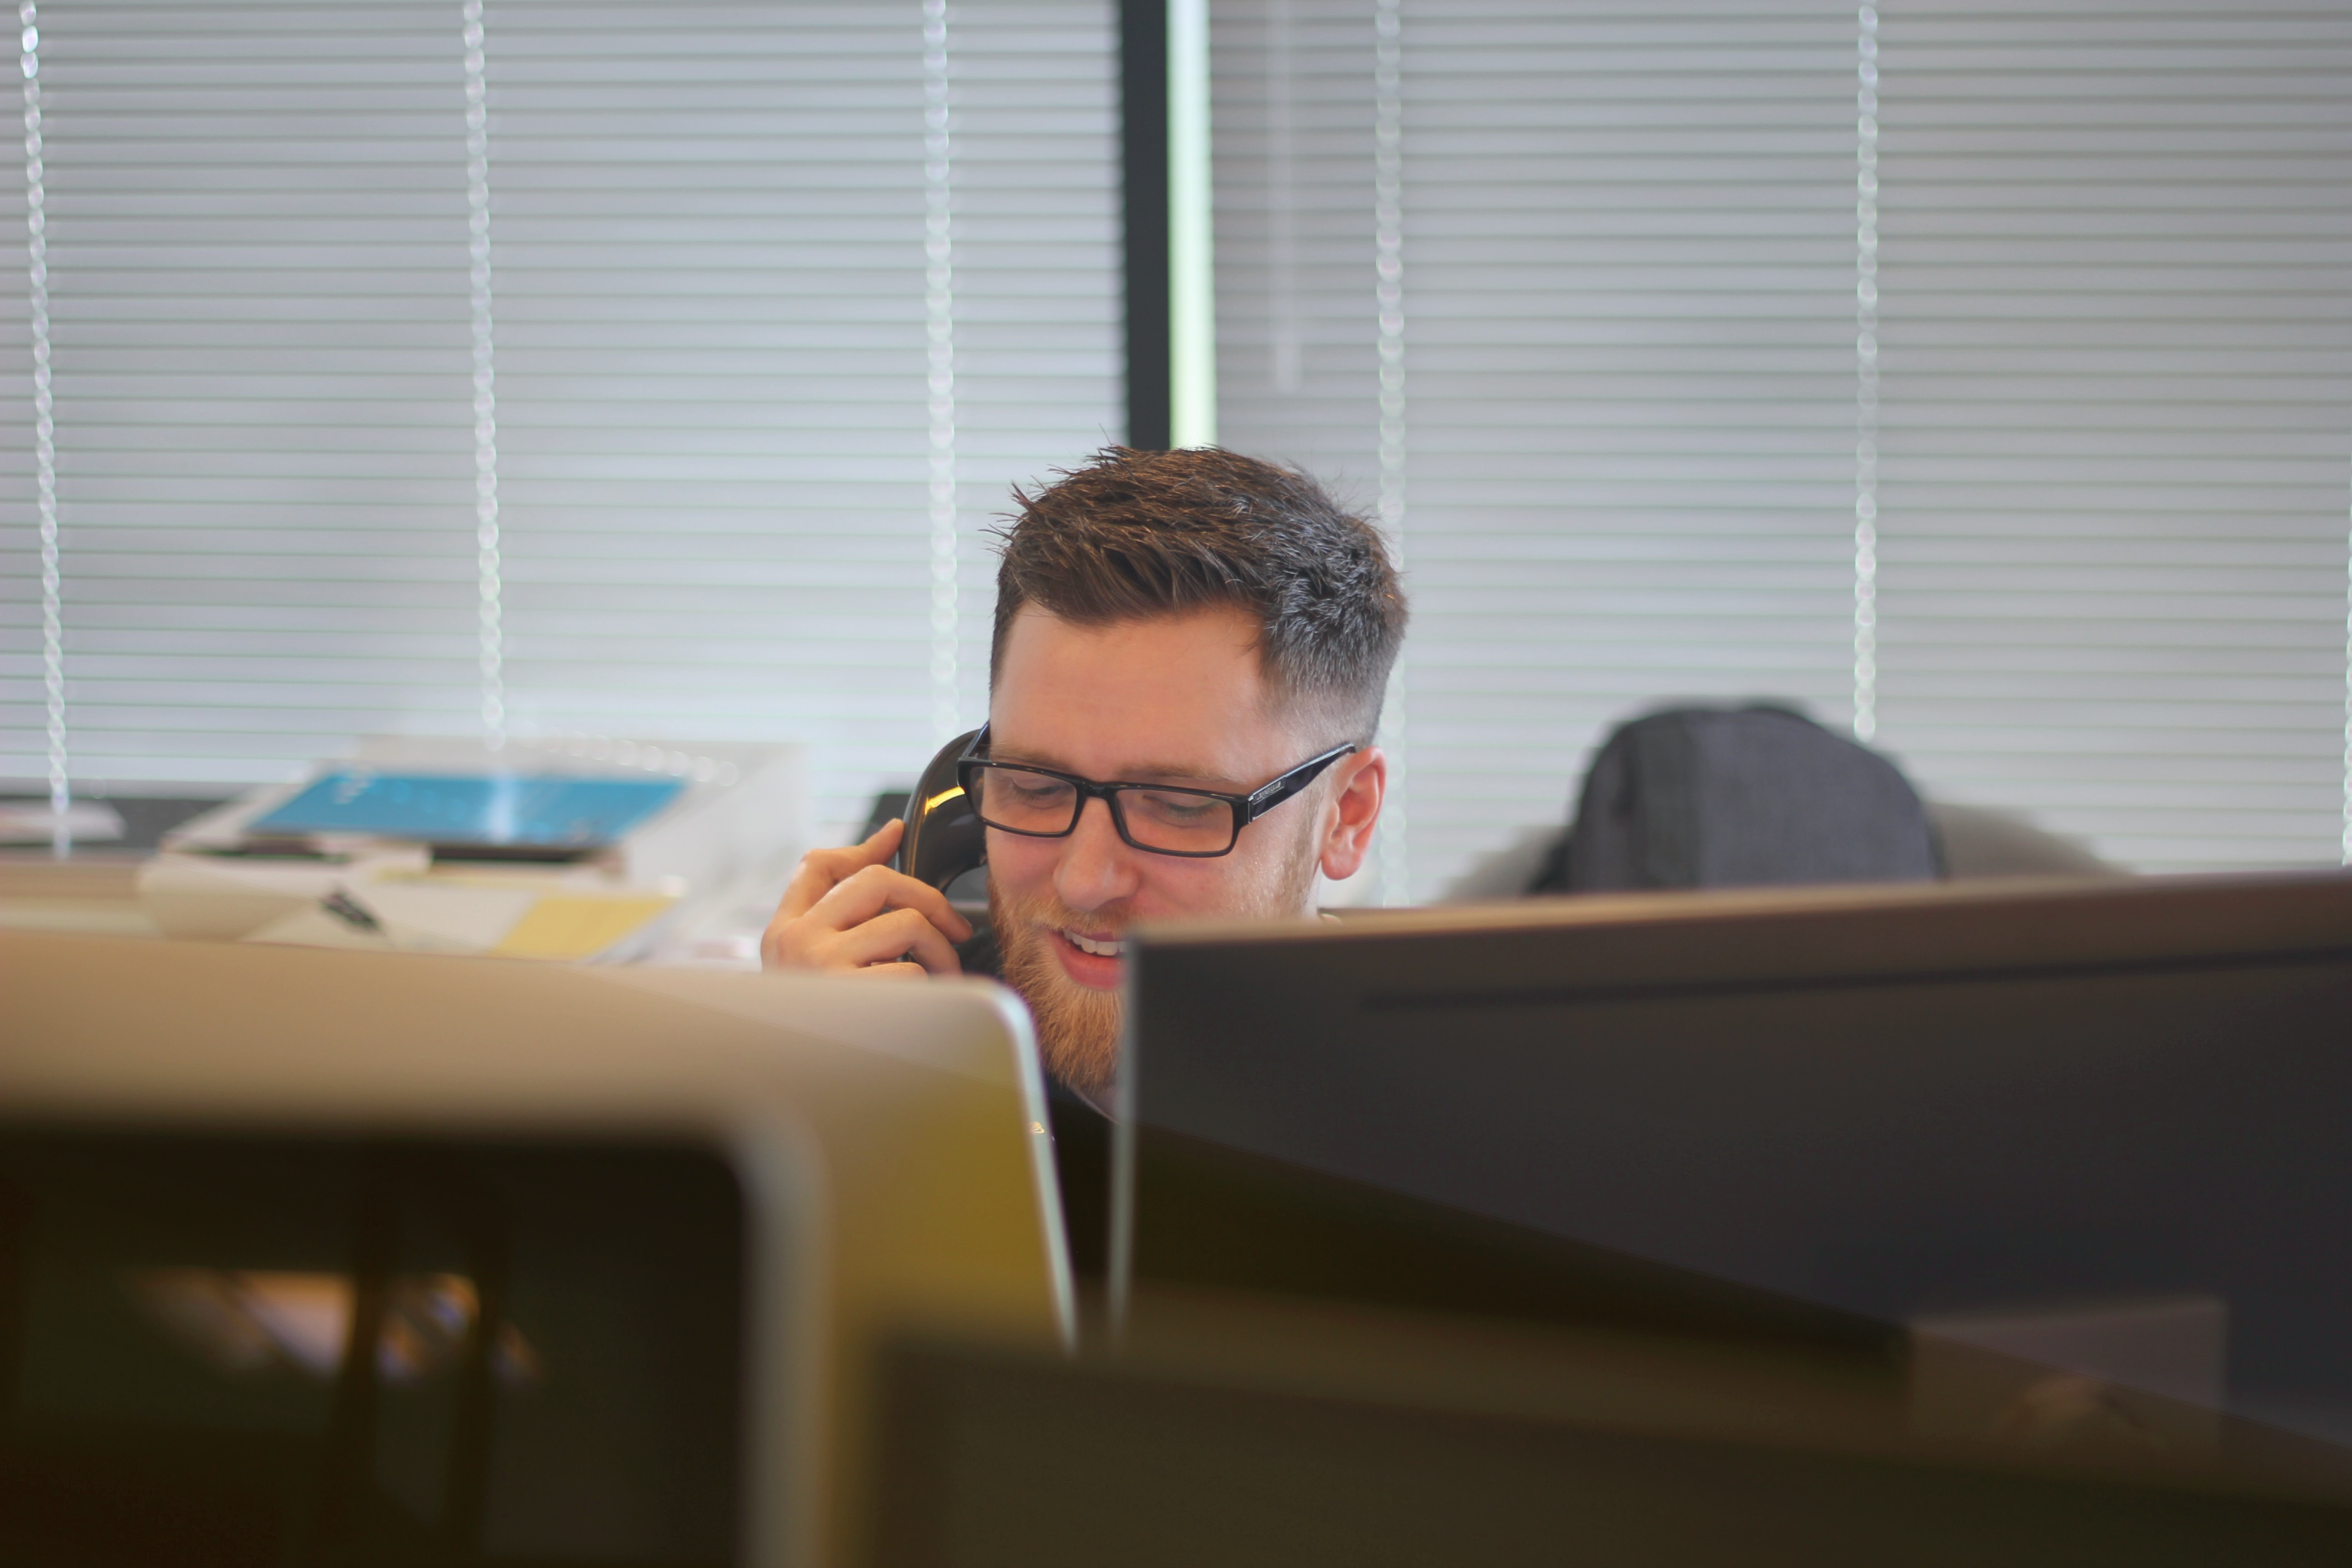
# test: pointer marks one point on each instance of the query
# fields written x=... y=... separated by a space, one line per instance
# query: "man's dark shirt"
x=1081 y=1138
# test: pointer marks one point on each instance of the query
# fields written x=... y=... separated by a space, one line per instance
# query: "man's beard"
x=1078 y=1027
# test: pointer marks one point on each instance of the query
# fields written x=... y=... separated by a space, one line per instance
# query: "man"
x=1175 y=632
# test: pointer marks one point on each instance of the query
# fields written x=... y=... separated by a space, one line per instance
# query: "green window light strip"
x=1192 y=263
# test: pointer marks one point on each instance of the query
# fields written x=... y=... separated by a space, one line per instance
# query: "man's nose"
x=1096 y=867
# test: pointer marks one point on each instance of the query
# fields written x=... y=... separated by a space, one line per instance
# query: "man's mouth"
x=1100 y=946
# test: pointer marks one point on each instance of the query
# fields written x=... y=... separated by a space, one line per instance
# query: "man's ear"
x=1359 y=783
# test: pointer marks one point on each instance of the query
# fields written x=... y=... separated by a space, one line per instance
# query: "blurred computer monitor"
x=2100 y=1128
x=1267 y=1431
x=319 y=1257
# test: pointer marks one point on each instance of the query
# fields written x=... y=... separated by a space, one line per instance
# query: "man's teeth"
x=1100 y=949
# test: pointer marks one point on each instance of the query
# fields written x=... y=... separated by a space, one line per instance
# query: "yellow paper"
x=565 y=926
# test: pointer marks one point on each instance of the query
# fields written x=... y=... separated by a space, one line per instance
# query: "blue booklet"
x=549 y=810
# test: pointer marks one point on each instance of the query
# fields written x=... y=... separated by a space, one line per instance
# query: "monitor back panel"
x=989 y=1460
x=557 y=1333
x=694 y=1199
x=1870 y=1108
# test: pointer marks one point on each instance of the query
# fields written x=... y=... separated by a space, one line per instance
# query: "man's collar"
x=1054 y=1086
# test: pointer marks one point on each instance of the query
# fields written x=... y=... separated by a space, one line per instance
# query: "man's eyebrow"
x=1166 y=773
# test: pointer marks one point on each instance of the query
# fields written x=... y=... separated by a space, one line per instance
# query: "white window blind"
x=1627 y=352
x=2116 y=326
x=716 y=419
x=713 y=318
x=2112 y=505
x=256 y=282
x=1291 y=109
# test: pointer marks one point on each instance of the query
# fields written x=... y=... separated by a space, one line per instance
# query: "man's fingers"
x=821 y=870
x=774 y=949
x=860 y=898
x=887 y=937
x=845 y=910
x=816 y=876
x=883 y=842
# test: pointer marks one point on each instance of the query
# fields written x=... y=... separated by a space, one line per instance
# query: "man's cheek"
x=1172 y=884
x=1021 y=866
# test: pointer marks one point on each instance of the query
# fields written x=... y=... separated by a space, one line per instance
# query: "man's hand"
x=846 y=911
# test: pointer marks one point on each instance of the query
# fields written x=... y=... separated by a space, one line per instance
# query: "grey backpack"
x=1713 y=797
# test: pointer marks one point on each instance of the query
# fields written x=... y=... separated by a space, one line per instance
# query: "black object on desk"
x=1838 y=1107
x=1753 y=796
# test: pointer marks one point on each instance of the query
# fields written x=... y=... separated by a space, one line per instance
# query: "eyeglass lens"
x=1174 y=820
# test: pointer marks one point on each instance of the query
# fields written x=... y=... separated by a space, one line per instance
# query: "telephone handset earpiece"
x=943 y=838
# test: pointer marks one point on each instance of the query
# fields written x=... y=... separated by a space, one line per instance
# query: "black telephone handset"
x=944 y=838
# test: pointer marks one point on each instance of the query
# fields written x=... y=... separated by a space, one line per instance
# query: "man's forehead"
x=1229 y=628
x=1205 y=657
x=1168 y=697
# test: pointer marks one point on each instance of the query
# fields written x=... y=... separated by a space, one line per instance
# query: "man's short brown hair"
x=1130 y=535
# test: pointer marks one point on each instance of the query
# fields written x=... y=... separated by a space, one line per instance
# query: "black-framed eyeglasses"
x=1038 y=802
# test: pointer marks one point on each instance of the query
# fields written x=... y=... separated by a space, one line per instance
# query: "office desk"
x=93 y=893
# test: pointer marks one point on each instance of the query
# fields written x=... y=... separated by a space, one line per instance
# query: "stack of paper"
x=399 y=902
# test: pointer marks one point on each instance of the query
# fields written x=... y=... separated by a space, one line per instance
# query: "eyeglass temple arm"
x=1274 y=794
